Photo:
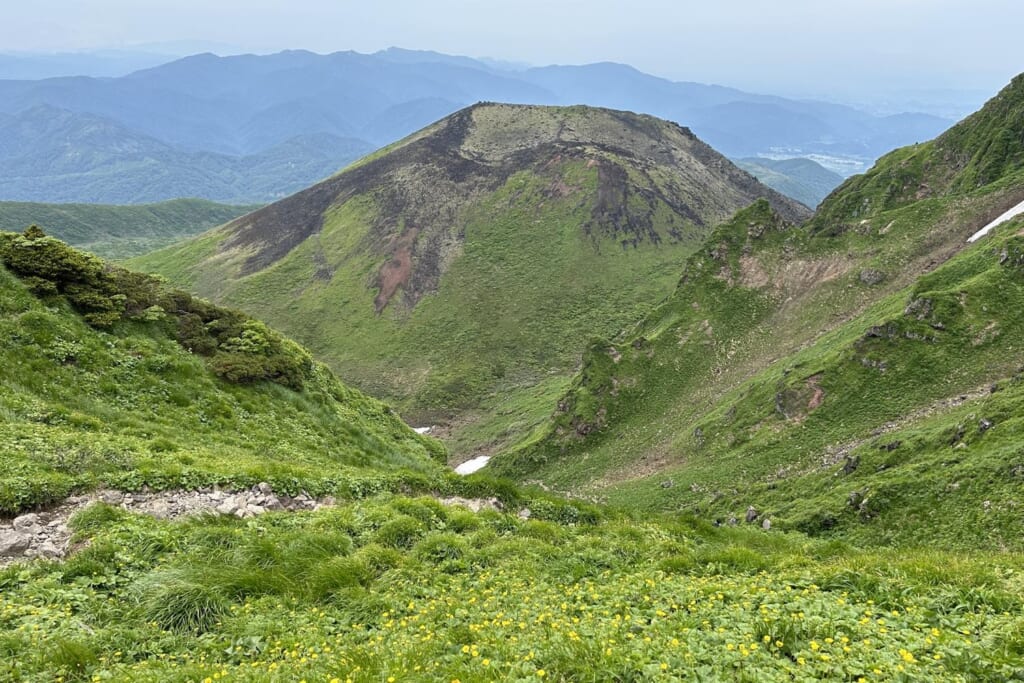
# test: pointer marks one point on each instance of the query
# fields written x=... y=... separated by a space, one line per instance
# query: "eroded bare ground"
x=46 y=534
x=837 y=453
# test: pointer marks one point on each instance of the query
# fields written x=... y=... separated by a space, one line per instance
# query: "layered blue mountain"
x=253 y=128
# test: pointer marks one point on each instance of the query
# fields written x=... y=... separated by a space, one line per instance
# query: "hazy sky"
x=809 y=45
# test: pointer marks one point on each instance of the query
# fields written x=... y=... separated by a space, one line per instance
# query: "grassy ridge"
x=123 y=402
x=816 y=373
x=120 y=232
x=881 y=391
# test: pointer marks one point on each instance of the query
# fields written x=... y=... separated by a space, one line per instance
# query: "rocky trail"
x=46 y=534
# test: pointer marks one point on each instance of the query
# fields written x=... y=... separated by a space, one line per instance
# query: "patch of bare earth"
x=395 y=272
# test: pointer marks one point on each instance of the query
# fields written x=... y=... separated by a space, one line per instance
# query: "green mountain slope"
x=119 y=232
x=979 y=151
x=831 y=376
x=804 y=180
x=459 y=273
x=111 y=378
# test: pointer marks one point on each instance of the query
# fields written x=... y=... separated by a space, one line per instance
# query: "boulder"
x=752 y=514
x=160 y=509
x=13 y=543
x=111 y=497
x=231 y=505
x=47 y=549
x=25 y=524
x=871 y=277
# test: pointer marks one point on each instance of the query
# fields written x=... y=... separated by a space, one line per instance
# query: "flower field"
x=402 y=589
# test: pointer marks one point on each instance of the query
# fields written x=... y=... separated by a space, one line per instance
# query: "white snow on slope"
x=471 y=466
x=1015 y=211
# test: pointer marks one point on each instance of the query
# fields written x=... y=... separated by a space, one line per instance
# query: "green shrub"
x=178 y=603
x=338 y=573
x=243 y=350
x=440 y=546
x=400 y=532
x=72 y=658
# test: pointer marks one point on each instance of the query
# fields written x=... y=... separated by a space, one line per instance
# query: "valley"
x=458 y=273
x=472 y=382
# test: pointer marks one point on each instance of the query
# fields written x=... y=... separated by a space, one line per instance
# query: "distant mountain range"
x=55 y=155
x=254 y=128
x=98 y=63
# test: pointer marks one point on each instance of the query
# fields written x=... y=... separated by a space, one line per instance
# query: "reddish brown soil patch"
x=395 y=273
x=818 y=394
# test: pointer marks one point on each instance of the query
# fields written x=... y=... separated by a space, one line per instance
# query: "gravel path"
x=46 y=534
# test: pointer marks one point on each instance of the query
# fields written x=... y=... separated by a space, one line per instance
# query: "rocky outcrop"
x=46 y=534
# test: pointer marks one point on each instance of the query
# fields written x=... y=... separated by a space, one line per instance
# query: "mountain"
x=54 y=155
x=858 y=376
x=96 y=63
x=737 y=123
x=460 y=271
x=120 y=231
x=804 y=180
x=206 y=107
x=180 y=520
x=255 y=531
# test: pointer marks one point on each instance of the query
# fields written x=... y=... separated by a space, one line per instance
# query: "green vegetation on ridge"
x=152 y=387
x=834 y=377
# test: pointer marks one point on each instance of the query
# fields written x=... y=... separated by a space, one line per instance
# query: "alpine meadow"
x=409 y=366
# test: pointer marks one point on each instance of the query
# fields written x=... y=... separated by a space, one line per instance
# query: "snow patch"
x=1015 y=211
x=422 y=430
x=471 y=466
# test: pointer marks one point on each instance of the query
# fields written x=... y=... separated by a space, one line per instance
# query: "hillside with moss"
x=120 y=232
x=855 y=377
x=460 y=272
x=111 y=378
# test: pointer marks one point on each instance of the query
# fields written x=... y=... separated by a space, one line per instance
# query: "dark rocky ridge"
x=423 y=184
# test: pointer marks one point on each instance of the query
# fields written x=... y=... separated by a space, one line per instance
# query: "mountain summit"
x=480 y=253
